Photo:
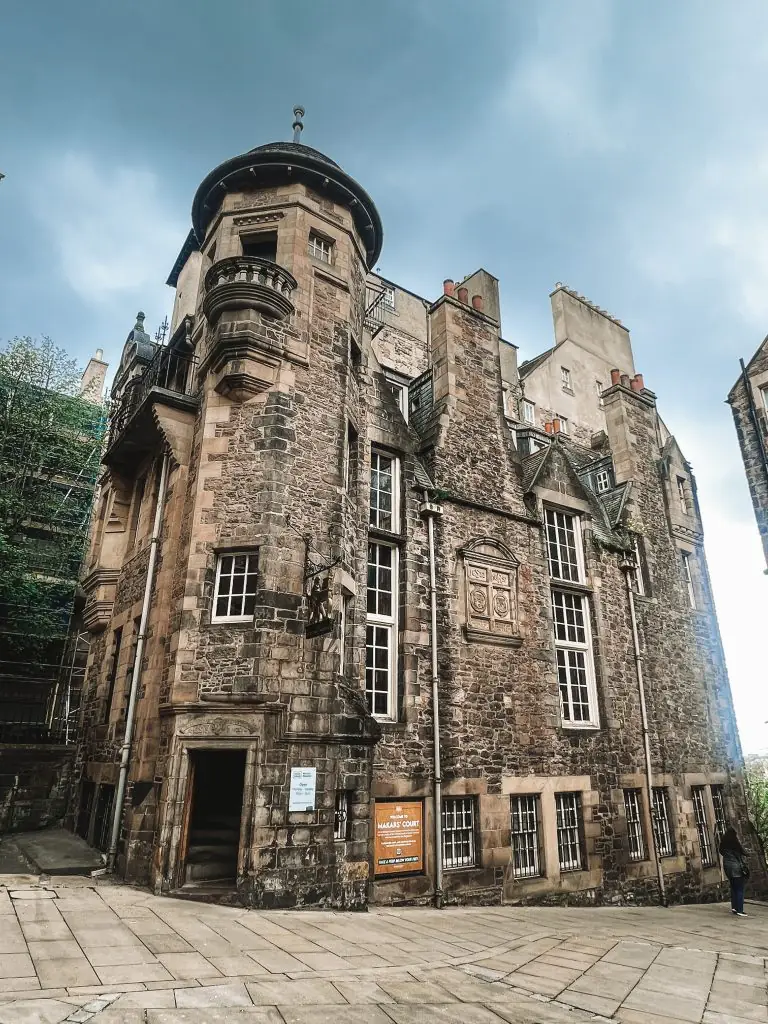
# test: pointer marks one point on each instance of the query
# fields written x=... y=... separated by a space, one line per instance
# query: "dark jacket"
x=733 y=864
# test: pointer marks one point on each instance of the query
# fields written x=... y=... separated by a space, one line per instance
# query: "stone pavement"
x=81 y=950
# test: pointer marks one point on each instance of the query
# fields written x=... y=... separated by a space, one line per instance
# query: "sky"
x=619 y=148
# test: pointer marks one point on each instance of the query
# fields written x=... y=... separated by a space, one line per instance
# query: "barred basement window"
x=384 y=512
x=662 y=833
x=632 y=806
x=718 y=805
x=381 y=631
x=341 y=816
x=526 y=840
x=320 y=248
x=234 y=594
x=458 y=832
x=702 y=825
x=569 y=844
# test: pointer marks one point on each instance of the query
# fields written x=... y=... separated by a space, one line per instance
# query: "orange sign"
x=399 y=845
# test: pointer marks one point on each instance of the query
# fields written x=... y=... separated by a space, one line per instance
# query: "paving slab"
x=35 y=1011
x=214 y=995
x=289 y=993
x=335 y=1015
x=55 y=851
x=215 y=1015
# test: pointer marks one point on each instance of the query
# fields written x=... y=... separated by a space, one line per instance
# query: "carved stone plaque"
x=490 y=587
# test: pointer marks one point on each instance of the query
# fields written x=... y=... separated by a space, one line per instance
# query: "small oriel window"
x=234 y=596
x=320 y=248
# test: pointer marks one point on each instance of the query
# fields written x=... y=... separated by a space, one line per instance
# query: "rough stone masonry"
x=260 y=587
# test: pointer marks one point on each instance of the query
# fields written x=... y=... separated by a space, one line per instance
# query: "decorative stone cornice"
x=101 y=576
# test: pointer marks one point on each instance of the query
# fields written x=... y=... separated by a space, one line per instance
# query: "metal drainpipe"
x=438 y=799
x=125 y=756
x=627 y=568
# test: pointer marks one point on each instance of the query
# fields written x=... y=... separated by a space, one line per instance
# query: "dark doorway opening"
x=103 y=822
x=263 y=245
x=213 y=839
x=87 y=794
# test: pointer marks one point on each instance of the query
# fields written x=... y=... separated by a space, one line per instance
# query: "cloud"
x=113 y=235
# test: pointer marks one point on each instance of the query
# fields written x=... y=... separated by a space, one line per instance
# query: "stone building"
x=748 y=399
x=342 y=535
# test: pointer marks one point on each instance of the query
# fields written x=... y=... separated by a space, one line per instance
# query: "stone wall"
x=35 y=785
x=752 y=454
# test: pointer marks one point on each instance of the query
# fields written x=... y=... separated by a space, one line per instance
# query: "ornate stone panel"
x=490 y=593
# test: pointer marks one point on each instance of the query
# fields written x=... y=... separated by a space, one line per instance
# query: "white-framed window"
x=570 y=615
x=599 y=388
x=525 y=821
x=662 y=832
x=563 y=424
x=320 y=248
x=565 y=378
x=381 y=631
x=764 y=393
x=458 y=832
x=682 y=494
x=570 y=851
x=341 y=816
x=633 y=810
x=563 y=536
x=350 y=457
x=529 y=412
x=385 y=489
x=400 y=391
x=702 y=825
x=718 y=805
x=388 y=296
x=685 y=558
x=602 y=481
x=234 y=593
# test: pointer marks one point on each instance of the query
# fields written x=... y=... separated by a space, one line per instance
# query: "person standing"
x=735 y=866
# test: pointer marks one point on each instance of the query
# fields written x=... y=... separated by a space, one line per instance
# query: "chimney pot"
x=448 y=286
x=100 y=355
x=615 y=377
x=556 y=425
x=635 y=384
x=463 y=294
x=640 y=382
x=625 y=380
x=477 y=302
x=548 y=428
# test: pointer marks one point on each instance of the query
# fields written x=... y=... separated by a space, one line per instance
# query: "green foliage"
x=50 y=447
x=756 y=784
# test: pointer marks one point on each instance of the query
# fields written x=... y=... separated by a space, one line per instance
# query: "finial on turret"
x=298 y=124
x=139 y=325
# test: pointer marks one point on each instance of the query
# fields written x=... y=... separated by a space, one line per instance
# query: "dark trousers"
x=737 y=894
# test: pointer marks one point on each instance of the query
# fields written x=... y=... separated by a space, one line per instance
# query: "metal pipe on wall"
x=628 y=568
x=130 y=718
x=438 y=782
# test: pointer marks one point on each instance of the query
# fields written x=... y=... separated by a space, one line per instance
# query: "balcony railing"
x=248 y=282
x=169 y=371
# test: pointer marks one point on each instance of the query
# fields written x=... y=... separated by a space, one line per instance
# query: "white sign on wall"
x=303 y=781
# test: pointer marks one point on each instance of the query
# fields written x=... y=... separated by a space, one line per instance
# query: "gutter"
x=628 y=568
x=429 y=511
x=125 y=756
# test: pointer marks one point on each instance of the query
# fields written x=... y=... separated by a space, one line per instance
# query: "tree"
x=756 y=785
x=50 y=449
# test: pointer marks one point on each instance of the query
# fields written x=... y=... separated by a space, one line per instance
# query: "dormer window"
x=320 y=248
x=262 y=245
x=602 y=481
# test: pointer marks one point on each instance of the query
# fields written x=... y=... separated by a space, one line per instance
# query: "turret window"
x=262 y=245
x=234 y=596
x=320 y=248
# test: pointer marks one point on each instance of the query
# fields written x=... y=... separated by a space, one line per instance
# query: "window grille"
x=234 y=596
x=718 y=806
x=562 y=546
x=380 y=640
x=569 y=846
x=702 y=825
x=632 y=807
x=526 y=843
x=688 y=577
x=459 y=832
x=384 y=483
x=662 y=833
x=320 y=248
x=602 y=481
x=341 y=816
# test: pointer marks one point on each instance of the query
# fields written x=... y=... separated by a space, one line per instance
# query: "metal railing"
x=168 y=371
